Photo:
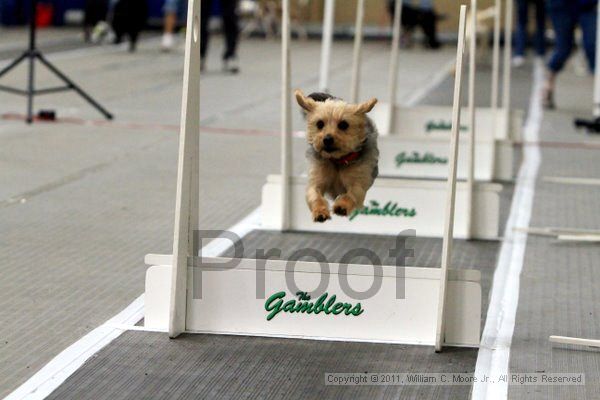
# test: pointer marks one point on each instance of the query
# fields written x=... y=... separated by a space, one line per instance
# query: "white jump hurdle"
x=438 y=306
x=391 y=206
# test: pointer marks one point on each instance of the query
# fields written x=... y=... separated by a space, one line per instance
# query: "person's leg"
x=563 y=21
x=540 y=27
x=428 y=24
x=230 y=27
x=408 y=21
x=170 y=20
x=588 y=21
x=521 y=31
x=205 y=12
x=409 y=17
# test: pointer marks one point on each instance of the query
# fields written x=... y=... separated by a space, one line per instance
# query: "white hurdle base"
x=394 y=205
x=412 y=157
x=229 y=303
x=435 y=121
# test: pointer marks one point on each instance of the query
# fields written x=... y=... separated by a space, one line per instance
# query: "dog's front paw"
x=344 y=205
x=320 y=214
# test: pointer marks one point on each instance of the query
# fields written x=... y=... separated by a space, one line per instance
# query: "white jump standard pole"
x=508 y=27
x=327 y=38
x=472 y=130
x=286 y=120
x=496 y=57
x=356 y=58
x=186 y=207
x=597 y=68
x=451 y=193
x=393 y=72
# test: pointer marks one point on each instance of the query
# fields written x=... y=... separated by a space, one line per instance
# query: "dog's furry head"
x=335 y=128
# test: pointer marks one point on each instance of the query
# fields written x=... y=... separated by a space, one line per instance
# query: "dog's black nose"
x=328 y=141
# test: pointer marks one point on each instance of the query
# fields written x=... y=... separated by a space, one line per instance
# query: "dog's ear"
x=365 y=106
x=305 y=102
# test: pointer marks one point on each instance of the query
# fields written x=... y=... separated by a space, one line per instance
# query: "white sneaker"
x=168 y=42
x=100 y=32
x=231 y=65
x=518 y=61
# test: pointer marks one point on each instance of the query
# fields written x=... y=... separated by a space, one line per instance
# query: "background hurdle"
x=479 y=212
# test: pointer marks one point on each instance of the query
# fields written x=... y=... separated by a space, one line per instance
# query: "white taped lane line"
x=494 y=352
x=53 y=374
x=418 y=95
x=69 y=360
x=241 y=229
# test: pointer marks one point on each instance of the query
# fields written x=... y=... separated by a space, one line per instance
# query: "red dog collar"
x=347 y=159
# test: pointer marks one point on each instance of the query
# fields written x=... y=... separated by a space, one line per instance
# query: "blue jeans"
x=565 y=18
x=177 y=7
x=420 y=4
x=521 y=36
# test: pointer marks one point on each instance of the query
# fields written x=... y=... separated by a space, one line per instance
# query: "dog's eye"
x=320 y=124
x=343 y=125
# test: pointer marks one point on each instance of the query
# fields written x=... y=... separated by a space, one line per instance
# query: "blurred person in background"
x=172 y=10
x=566 y=16
x=417 y=13
x=522 y=36
x=128 y=19
x=95 y=11
x=230 y=28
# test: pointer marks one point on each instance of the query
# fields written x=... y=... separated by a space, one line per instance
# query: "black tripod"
x=32 y=54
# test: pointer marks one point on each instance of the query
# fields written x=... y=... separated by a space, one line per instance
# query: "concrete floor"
x=82 y=201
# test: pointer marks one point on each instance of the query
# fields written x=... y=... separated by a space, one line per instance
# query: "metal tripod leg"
x=13 y=64
x=73 y=86
x=30 y=88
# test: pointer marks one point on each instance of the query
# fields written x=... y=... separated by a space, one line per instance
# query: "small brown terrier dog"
x=343 y=153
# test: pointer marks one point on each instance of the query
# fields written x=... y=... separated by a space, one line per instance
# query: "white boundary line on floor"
x=494 y=352
x=53 y=374
x=69 y=360
x=418 y=95
x=87 y=51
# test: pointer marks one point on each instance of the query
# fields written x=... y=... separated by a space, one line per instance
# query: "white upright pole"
x=597 y=69
x=451 y=191
x=472 y=130
x=186 y=205
x=356 y=59
x=508 y=28
x=328 y=20
x=286 y=121
x=496 y=57
x=393 y=72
